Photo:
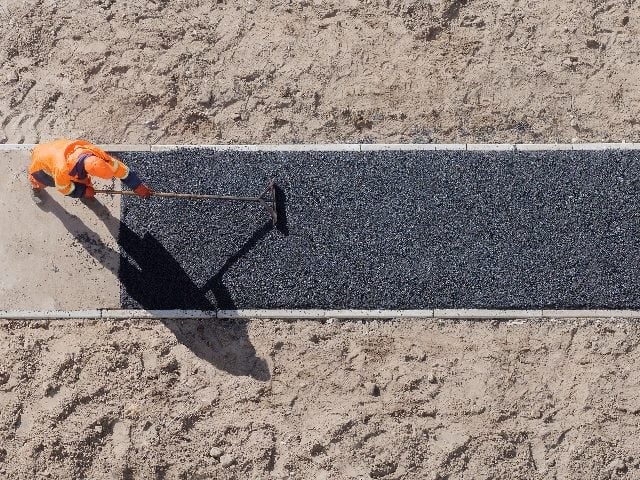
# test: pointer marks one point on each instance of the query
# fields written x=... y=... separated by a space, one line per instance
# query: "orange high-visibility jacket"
x=72 y=163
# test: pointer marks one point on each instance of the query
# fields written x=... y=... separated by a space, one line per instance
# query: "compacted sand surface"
x=273 y=399
x=260 y=399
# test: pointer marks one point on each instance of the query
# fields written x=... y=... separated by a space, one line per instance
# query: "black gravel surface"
x=386 y=230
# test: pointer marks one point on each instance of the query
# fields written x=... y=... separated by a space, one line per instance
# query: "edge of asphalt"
x=317 y=314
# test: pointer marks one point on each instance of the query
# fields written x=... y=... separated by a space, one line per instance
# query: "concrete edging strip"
x=318 y=314
x=482 y=313
x=125 y=147
x=50 y=314
x=606 y=146
x=534 y=147
x=302 y=147
x=591 y=313
x=493 y=147
x=176 y=314
x=282 y=314
x=353 y=147
x=368 y=147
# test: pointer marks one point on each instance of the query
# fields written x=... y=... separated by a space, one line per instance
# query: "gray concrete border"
x=533 y=147
x=50 y=314
x=493 y=147
x=485 y=313
x=314 y=314
x=375 y=147
x=606 y=146
x=591 y=313
x=354 y=147
x=125 y=148
x=320 y=147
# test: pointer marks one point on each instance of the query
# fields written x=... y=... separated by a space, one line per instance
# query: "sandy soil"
x=307 y=400
x=266 y=399
x=219 y=71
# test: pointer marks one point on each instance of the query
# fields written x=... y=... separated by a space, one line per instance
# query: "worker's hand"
x=143 y=191
x=89 y=193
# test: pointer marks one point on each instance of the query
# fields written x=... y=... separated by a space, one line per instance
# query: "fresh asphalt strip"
x=386 y=229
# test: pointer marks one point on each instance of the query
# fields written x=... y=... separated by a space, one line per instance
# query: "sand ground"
x=299 y=399
x=274 y=399
x=221 y=71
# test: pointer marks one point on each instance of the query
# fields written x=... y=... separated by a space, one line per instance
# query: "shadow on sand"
x=153 y=278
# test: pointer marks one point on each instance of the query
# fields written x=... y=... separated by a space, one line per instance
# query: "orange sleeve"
x=97 y=167
x=107 y=169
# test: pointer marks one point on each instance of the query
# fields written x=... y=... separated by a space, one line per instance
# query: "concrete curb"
x=591 y=313
x=320 y=147
x=315 y=314
x=125 y=148
x=355 y=147
x=532 y=147
x=482 y=313
x=494 y=147
x=50 y=314
x=114 y=314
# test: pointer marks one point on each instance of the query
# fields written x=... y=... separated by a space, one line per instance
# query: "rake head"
x=268 y=200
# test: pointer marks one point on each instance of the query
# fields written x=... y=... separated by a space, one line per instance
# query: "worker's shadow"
x=155 y=280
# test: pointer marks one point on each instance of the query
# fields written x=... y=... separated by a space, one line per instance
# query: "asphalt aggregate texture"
x=396 y=230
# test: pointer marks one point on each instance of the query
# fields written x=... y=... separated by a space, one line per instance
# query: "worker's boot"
x=36 y=196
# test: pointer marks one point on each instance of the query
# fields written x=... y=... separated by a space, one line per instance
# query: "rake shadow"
x=155 y=280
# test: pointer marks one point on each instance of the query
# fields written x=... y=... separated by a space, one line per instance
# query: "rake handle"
x=186 y=195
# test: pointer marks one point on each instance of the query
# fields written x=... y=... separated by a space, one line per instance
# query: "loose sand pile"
x=273 y=399
x=218 y=71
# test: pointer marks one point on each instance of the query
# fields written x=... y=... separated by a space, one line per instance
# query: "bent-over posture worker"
x=69 y=165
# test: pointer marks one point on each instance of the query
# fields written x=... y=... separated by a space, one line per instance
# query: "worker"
x=69 y=165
